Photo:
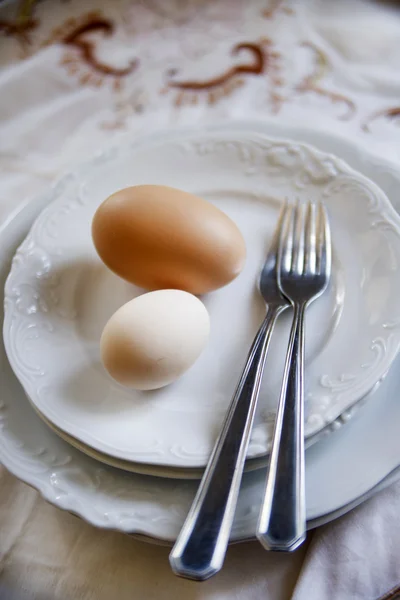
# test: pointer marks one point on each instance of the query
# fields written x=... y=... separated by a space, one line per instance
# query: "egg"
x=159 y=237
x=153 y=339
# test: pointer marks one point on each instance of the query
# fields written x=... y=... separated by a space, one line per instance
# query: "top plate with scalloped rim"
x=59 y=295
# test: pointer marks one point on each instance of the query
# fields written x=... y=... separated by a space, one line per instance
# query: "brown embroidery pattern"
x=274 y=6
x=261 y=60
x=125 y=108
x=255 y=66
x=73 y=34
x=311 y=83
x=391 y=114
x=23 y=25
x=88 y=49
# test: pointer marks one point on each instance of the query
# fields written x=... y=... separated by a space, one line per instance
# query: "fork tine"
x=286 y=240
x=299 y=240
x=310 y=257
x=324 y=252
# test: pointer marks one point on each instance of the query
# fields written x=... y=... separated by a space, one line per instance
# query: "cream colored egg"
x=152 y=340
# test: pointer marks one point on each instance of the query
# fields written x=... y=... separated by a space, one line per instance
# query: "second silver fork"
x=303 y=271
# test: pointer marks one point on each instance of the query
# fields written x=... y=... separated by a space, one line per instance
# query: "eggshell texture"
x=158 y=237
x=152 y=340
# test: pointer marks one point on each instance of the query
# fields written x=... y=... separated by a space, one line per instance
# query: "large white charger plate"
x=59 y=296
x=342 y=470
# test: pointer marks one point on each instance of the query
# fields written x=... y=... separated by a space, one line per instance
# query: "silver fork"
x=304 y=269
x=200 y=549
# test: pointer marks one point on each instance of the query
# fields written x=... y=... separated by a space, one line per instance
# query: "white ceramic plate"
x=60 y=290
x=59 y=296
x=342 y=470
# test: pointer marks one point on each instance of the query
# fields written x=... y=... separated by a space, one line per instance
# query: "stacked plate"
x=74 y=434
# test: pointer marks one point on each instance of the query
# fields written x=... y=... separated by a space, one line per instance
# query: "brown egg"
x=158 y=237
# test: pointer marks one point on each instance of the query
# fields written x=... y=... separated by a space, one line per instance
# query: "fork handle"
x=282 y=521
x=200 y=549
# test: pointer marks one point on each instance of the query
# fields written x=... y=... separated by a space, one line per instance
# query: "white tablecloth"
x=75 y=76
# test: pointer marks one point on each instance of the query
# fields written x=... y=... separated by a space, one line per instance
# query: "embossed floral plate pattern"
x=341 y=470
x=59 y=296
